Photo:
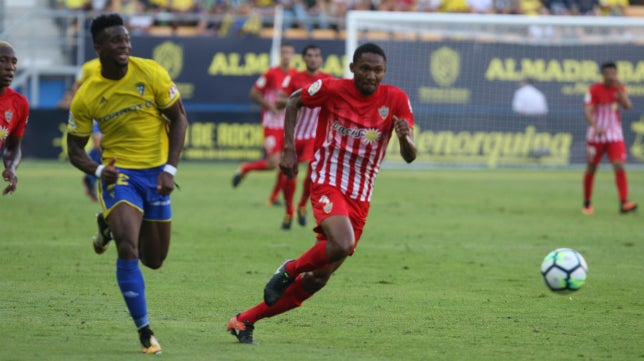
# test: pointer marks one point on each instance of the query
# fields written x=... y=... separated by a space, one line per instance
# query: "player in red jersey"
x=605 y=136
x=305 y=126
x=356 y=121
x=14 y=114
x=265 y=92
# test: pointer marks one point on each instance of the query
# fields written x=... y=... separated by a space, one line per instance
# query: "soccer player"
x=14 y=114
x=304 y=132
x=604 y=134
x=141 y=116
x=356 y=121
x=265 y=92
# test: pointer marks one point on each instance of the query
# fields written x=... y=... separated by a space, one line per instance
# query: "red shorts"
x=329 y=201
x=273 y=141
x=614 y=150
x=304 y=150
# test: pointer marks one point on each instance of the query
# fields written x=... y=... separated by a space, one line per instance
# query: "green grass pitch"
x=447 y=269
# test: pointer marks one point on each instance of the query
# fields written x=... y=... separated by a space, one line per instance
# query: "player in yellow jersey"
x=141 y=116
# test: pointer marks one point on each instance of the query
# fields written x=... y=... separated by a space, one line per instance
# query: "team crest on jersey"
x=327 y=205
x=8 y=115
x=315 y=87
x=384 y=112
x=140 y=87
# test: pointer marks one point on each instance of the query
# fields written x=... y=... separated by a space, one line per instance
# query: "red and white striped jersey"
x=270 y=84
x=353 y=133
x=606 y=113
x=307 y=120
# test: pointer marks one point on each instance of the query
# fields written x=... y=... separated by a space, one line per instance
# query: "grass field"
x=447 y=269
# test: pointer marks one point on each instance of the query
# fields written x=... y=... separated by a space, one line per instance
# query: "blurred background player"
x=265 y=92
x=14 y=114
x=140 y=113
x=89 y=180
x=604 y=135
x=305 y=127
x=356 y=121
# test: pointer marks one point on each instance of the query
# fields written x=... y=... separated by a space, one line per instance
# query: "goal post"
x=461 y=72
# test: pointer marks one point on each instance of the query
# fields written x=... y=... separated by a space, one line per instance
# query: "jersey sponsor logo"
x=368 y=136
x=131 y=108
x=8 y=115
x=4 y=133
x=315 y=87
x=384 y=112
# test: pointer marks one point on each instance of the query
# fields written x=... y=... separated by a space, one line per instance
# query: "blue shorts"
x=137 y=188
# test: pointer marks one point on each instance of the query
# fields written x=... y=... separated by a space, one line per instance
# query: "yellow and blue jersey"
x=128 y=113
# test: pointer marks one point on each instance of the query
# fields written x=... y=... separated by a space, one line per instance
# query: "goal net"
x=461 y=72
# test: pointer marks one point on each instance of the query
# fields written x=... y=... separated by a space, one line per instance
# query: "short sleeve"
x=165 y=91
x=80 y=121
x=315 y=94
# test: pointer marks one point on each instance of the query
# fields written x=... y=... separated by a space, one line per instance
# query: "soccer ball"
x=564 y=270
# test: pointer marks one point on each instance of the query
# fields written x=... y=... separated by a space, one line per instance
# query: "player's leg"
x=154 y=242
x=125 y=222
x=304 y=286
x=270 y=143
x=306 y=193
x=594 y=152
x=617 y=155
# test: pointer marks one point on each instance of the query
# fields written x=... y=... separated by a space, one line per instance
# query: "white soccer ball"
x=564 y=270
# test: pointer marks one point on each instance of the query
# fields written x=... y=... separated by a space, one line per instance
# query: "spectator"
x=613 y=7
x=455 y=6
x=294 y=13
x=558 y=7
x=316 y=14
x=481 y=6
x=528 y=100
x=586 y=7
x=428 y=6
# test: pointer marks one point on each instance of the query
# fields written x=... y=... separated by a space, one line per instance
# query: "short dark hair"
x=368 y=48
x=102 y=22
x=310 y=47
x=609 y=65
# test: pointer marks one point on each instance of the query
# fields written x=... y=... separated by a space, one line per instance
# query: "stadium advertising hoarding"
x=214 y=136
x=461 y=92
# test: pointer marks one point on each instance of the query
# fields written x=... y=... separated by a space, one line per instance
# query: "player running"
x=357 y=119
x=140 y=113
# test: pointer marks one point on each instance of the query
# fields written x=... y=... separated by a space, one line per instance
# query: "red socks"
x=292 y=298
x=289 y=193
x=622 y=185
x=256 y=165
x=306 y=189
x=588 y=186
x=310 y=260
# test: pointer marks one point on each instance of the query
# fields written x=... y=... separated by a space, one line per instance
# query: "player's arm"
x=288 y=164
x=258 y=98
x=11 y=158
x=405 y=139
x=622 y=97
x=81 y=160
x=177 y=135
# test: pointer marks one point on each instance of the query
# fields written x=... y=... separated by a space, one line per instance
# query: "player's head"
x=111 y=39
x=609 y=72
x=287 y=52
x=312 y=57
x=368 y=67
x=8 y=63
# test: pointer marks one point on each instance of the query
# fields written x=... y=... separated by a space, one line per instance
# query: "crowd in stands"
x=248 y=17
